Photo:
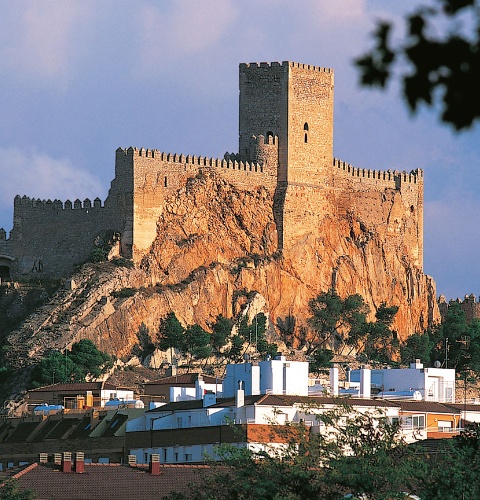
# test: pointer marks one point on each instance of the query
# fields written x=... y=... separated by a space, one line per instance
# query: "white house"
x=416 y=382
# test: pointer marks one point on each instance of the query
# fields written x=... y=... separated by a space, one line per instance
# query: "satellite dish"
x=437 y=364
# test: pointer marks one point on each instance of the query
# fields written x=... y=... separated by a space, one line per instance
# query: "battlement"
x=37 y=203
x=286 y=64
x=413 y=177
x=202 y=161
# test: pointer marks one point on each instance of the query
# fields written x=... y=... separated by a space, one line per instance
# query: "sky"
x=80 y=78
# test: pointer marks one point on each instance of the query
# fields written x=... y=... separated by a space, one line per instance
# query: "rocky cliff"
x=216 y=249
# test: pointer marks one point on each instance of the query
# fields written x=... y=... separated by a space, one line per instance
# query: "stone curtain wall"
x=286 y=118
x=48 y=238
x=156 y=175
x=388 y=202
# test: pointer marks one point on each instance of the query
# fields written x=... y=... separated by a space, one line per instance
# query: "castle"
x=285 y=146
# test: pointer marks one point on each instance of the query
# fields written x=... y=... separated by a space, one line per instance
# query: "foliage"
x=438 y=59
x=10 y=490
x=460 y=338
x=417 y=346
x=196 y=343
x=99 y=254
x=321 y=360
x=253 y=334
x=171 y=333
x=88 y=359
x=222 y=329
x=54 y=368
x=124 y=293
x=455 y=474
x=351 y=455
x=380 y=342
x=234 y=351
x=334 y=320
x=145 y=345
x=84 y=359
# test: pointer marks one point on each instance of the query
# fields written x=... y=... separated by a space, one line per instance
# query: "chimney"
x=209 y=399
x=154 y=467
x=334 y=381
x=80 y=462
x=57 y=458
x=365 y=381
x=132 y=460
x=43 y=458
x=417 y=365
x=240 y=395
x=67 y=462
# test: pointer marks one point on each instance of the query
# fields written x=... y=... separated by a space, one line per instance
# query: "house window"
x=176 y=456
x=179 y=422
x=164 y=455
x=416 y=422
x=188 y=457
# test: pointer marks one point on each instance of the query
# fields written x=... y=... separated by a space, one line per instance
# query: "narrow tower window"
x=165 y=182
x=305 y=128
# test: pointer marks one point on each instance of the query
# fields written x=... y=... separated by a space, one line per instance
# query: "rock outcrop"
x=216 y=248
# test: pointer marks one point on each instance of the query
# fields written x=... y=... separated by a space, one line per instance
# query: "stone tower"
x=291 y=105
x=294 y=103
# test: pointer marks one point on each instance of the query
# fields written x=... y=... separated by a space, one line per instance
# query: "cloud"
x=39 y=39
x=172 y=31
x=38 y=175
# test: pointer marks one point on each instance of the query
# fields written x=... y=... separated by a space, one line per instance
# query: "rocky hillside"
x=215 y=251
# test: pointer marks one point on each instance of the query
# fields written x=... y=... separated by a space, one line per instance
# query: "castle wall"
x=294 y=102
x=157 y=174
x=285 y=145
x=49 y=237
x=391 y=203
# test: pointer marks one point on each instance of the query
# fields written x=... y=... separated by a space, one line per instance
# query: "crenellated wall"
x=285 y=145
x=49 y=237
x=388 y=202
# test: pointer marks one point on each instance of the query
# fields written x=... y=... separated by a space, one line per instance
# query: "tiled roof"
x=108 y=481
x=427 y=407
x=80 y=386
x=185 y=378
x=462 y=406
x=279 y=400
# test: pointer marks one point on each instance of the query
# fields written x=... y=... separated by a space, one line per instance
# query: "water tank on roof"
x=46 y=409
x=124 y=403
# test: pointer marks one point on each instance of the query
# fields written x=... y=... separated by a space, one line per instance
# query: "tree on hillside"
x=380 y=341
x=417 y=346
x=457 y=343
x=88 y=359
x=254 y=334
x=145 y=345
x=221 y=334
x=84 y=359
x=438 y=59
x=334 y=320
x=171 y=333
x=196 y=344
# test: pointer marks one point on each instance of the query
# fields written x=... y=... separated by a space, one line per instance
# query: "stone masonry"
x=285 y=146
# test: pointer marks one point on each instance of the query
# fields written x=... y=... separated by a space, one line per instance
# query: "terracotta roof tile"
x=428 y=407
x=108 y=481
x=75 y=386
x=185 y=378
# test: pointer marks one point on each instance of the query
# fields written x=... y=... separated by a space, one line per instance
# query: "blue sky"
x=79 y=78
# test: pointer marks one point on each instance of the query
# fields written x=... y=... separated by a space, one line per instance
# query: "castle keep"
x=285 y=145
